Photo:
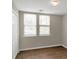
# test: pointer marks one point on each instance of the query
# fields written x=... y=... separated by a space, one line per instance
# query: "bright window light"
x=29 y=25
x=44 y=20
x=29 y=19
x=44 y=31
x=44 y=23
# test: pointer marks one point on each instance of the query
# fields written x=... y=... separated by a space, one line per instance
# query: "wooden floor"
x=46 y=53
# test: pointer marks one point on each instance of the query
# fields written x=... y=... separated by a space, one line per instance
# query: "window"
x=31 y=23
x=44 y=30
x=44 y=20
x=44 y=23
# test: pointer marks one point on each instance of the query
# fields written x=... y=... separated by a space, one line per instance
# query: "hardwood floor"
x=46 y=53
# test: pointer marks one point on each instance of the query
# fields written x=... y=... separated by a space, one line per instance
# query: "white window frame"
x=30 y=26
x=38 y=26
x=44 y=25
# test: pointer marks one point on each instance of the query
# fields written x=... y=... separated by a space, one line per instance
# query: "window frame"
x=31 y=35
x=44 y=25
x=38 y=25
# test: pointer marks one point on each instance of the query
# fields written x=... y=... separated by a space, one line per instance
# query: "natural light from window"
x=31 y=23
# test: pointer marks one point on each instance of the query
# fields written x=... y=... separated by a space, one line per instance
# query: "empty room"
x=39 y=29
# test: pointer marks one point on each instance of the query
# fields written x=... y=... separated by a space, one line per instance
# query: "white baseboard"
x=40 y=47
x=16 y=54
x=64 y=46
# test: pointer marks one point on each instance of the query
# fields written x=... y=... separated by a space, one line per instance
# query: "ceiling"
x=44 y=5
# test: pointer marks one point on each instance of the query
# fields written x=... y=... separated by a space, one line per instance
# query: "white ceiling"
x=45 y=5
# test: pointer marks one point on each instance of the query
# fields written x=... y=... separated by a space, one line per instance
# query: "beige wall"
x=64 y=31
x=39 y=41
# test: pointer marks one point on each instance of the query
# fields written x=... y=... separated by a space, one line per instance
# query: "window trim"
x=38 y=25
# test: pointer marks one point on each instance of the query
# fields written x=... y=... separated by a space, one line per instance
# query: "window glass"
x=44 y=20
x=29 y=19
x=29 y=25
x=44 y=31
x=30 y=31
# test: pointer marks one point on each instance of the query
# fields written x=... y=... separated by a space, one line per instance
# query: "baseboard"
x=64 y=46
x=17 y=54
x=40 y=47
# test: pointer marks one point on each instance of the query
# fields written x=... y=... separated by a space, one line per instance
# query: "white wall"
x=64 y=31
x=15 y=33
x=41 y=41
